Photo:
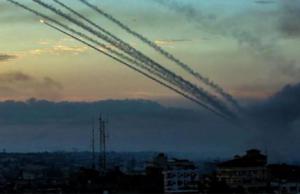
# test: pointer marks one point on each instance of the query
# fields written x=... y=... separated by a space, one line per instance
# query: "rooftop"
x=253 y=158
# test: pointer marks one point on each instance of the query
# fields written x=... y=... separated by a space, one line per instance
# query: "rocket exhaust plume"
x=113 y=57
x=196 y=100
x=83 y=36
x=182 y=83
x=137 y=70
x=87 y=38
x=166 y=54
x=45 y=18
x=89 y=21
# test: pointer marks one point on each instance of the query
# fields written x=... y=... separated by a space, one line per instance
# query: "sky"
x=225 y=41
x=249 y=47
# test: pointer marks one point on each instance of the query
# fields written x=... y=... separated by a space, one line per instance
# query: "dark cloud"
x=133 y=125
x=277 y=121
x=189 y=11
x=259 y=38
x=245 y=27
x=264 y=2
x=289 y=20
x=137 y=125
x=11 y=77
x=50 y=83
x=81 y=112
x=20 y=77
x=145 y=125
x=287 y=68
x=16 y=84
x=5 y=57
x=280 y=110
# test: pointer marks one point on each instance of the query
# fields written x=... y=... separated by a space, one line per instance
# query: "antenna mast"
x=102 y=144
x=93 y=145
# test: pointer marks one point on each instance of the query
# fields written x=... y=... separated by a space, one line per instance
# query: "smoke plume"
x=169 y=56
x=185 y=85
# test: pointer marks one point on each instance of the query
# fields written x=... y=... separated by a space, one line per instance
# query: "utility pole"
x=102 y=144
x=93 y=146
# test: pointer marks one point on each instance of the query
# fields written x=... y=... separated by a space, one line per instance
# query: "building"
x=284 y=178
x=179 y=176
x=248 y=172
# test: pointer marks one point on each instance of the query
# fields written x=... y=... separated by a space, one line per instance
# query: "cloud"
x=264 y=2
x=133 y=125
x=6 y=57
x=11 y=77
x=13 y=14
x=289 y=20
x=49 y=82
x=253 y=91
x=18 y=84
x=57 y=49
x=64 y=46
x=246 y=28
x=260 y=39
x=189 y=11
x=170 y=42
x=277 y=120
x=280 y=110
x=137 y=125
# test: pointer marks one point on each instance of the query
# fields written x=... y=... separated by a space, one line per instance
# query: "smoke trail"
x=139 y=71
x=171 y=57
x=87 y=38
x=185 y=85
x=89 y=21
x=72 y=30
x=82 y=35
x=115 y=58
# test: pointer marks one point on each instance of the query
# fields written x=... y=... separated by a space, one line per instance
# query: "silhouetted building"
x=179 y=176
x=284 y=178
x=248 y=172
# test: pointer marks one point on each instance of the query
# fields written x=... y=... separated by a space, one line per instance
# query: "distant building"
x=180 y=176
x=33 y=172
x=284 y=178
x=248 y=172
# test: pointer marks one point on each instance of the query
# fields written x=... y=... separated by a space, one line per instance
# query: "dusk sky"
x=249 y=47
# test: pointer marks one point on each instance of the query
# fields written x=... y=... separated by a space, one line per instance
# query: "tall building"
x=248 y=172
x=180 y=176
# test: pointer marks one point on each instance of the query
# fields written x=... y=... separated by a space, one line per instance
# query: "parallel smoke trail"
x=139 y=71
x=115 y=58
x=90 y=21
x=74 y=31
x=92 y=40
x=184 y=84
x=171 y=57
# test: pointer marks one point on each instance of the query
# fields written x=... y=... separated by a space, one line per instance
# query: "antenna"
x=93 y=144
x=102 y=144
